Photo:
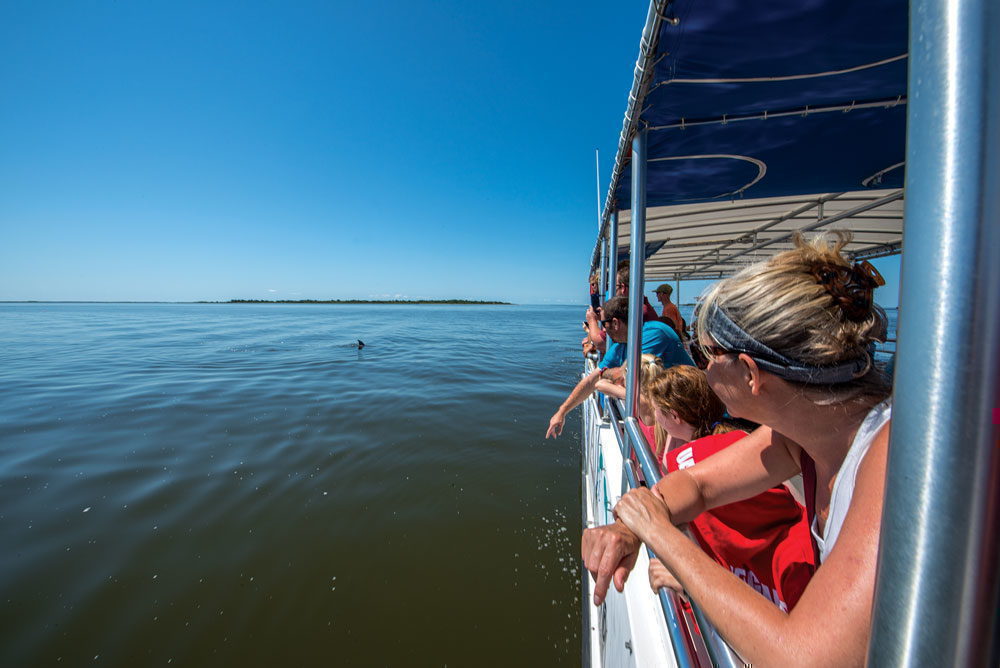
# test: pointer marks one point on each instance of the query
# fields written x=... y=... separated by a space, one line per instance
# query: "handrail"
x=629 y=439
x=679 y=638
x=720 y=652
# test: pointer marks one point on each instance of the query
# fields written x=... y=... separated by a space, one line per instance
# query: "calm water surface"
x=235 y=484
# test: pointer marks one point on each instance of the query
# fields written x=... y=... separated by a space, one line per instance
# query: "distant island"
x=360 y=301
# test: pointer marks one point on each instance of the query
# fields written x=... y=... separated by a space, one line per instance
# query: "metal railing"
x=630 y=440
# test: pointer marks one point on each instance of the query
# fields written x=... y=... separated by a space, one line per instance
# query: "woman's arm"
x=831 y=623
x=748 y=467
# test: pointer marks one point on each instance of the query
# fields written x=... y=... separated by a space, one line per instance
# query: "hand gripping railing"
x=721 y=654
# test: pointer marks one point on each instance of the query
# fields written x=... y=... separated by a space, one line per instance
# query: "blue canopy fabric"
x=774 y=98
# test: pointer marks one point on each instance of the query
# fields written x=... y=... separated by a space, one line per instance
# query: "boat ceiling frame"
x=709 y=241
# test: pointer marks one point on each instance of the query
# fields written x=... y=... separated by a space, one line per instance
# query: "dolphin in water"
x=361 y=344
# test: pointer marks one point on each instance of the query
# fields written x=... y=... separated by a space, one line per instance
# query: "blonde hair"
x=650 y=371
x=684 y=390
x=781 y=303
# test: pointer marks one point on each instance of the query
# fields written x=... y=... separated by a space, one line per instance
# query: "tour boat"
x=747 y=122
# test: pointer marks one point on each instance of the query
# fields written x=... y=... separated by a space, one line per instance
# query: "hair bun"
x=851 y=287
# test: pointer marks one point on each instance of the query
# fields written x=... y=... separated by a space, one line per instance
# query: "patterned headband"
x=733 y=338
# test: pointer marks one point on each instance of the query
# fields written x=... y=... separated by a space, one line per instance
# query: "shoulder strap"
x=808 y=467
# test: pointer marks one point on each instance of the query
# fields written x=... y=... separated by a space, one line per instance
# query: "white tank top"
x=843 y=485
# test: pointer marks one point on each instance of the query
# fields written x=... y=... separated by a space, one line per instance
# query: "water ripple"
x=223 y=484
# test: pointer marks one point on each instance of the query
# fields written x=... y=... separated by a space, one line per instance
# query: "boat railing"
x=631 y=441
x=635 y=449
x=885 y=355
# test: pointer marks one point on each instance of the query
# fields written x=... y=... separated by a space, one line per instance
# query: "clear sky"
x=209 y=150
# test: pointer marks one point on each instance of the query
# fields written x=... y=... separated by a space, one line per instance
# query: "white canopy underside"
x=713 y=239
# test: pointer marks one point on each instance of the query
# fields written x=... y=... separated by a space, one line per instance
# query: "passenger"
x=790 y=346
x=595 y=290
x=764 y=540
x=588 y=345
x=671 y=314
x=595 y=338
x=657 y=339
x=621 y=290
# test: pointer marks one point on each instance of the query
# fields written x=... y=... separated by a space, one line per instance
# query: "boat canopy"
x=761 y=119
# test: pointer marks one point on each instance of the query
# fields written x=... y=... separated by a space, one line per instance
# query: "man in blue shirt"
x=657 y=339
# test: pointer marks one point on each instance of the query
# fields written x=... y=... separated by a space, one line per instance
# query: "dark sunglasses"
x=718 y=351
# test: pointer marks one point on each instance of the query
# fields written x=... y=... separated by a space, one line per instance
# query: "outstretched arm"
x=579 y=394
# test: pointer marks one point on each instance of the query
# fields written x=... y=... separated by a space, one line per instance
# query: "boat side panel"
x=628 y=629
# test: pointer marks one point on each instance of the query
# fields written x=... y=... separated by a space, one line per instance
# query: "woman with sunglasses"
x=790 y=344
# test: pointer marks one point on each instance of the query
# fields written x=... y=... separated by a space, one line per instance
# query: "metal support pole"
x=612 y=254
x=936 y=592
x=602 y=281
x=637 y=260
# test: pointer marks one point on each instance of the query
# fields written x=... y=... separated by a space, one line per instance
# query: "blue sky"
x=189 y=151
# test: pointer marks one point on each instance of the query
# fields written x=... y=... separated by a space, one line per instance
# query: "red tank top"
x=763 y=540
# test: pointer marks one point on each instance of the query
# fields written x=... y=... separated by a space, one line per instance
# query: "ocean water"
x=236 y=485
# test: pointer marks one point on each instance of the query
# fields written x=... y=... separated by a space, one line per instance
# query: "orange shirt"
x=671 y=312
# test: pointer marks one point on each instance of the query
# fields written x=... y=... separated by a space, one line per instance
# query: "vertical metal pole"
x=936 y=592
x=597 y=171
x=602 y=276
x=612 y=254
x=637 y=260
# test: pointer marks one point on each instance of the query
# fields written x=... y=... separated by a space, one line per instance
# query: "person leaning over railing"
x=657 y=339
x=595 y=316
x=764 y=540
x=790 y=345
x=595 y=340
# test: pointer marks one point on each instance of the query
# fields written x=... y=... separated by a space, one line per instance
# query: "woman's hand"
x=644 y=513
x=555 y=425
x=660 y=576
x=609 y=552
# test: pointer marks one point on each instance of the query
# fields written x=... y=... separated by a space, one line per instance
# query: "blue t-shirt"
x=657 y=339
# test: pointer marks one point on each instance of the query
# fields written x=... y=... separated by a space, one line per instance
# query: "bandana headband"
x=731 y=336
